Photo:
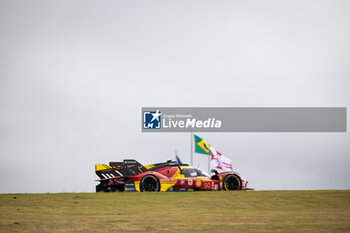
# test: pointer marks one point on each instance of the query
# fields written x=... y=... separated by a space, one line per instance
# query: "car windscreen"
x=193 y=172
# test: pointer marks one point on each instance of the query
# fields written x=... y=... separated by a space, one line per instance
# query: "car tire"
x=232 y=182
x=149 y=183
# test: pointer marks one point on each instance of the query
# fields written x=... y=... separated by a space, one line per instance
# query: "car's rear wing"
x=105 y=172
x=129 y=167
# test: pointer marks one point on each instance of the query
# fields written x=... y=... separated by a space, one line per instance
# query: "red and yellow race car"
x=130 y=176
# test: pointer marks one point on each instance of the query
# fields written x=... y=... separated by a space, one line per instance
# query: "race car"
x=131 y=176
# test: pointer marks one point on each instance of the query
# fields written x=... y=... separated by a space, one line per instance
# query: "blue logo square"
x=152 y=119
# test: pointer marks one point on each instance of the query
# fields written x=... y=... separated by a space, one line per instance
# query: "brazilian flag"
x=201 y=146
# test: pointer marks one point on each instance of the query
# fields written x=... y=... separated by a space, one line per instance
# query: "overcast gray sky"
x=75 y=74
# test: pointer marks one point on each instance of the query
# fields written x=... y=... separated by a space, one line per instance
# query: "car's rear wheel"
x=232 y=182
x=149 y=183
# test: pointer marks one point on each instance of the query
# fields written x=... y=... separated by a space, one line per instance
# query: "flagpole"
x=191 y=148
x=209 y=163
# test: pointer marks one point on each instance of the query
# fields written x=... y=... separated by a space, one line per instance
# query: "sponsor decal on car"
x=207 y=185
x=190 y=182
x=198 y=183
x=168 y=179
x=182 y=182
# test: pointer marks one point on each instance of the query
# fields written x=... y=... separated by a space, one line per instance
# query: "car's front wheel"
x=149 y=183
x=232 y=182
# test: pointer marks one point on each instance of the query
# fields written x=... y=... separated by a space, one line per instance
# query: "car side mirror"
x=214 y=171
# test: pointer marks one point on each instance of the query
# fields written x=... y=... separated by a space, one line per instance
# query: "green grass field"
x=242 y=211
